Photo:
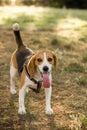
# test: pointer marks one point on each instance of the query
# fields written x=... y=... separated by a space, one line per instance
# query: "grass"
x=44 y=18
x=64 y=32
x=84 y=58
x=81 y=81
x=84 y=124
x=74 y=67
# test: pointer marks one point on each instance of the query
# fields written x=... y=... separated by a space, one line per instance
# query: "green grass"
x=81 y=81
x=69 y=26
x=84 y=58
x=75 y=67
x=84 y=123
x=44 y=18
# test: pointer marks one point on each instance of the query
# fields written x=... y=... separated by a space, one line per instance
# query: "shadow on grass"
x=26 y=122
x=52 y=122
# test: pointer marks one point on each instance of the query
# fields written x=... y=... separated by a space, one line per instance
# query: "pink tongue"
x=46 y=81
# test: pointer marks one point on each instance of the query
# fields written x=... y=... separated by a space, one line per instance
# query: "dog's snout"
x=45 y=68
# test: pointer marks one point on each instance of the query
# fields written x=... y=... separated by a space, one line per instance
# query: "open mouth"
x=46 y=80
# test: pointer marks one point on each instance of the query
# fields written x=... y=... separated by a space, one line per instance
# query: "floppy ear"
x=31 y=66
x=55 y=59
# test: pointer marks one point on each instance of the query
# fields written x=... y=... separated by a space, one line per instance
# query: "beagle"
x=34 y=70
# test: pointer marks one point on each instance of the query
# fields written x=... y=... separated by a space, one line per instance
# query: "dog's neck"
x=37 y=75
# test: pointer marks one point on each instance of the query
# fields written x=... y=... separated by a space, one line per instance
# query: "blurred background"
x=81 y=4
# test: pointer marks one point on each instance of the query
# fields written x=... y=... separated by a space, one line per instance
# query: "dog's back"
x=22 y=52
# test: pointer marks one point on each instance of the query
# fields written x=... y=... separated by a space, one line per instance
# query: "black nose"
x=45 y=68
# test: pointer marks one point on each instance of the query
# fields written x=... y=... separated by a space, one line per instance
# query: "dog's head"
x=42 y=61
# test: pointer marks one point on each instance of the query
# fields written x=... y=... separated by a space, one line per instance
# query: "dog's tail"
x=16 y=30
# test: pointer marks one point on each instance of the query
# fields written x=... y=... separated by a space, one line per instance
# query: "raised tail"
x=16 y=30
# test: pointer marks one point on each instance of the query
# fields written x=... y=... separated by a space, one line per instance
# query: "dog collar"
x=39 y=83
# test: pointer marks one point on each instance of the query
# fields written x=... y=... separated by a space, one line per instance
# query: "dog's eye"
x=50 y=59
x=39 y=60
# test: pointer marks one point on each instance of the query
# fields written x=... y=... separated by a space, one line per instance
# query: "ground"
x=66 y=36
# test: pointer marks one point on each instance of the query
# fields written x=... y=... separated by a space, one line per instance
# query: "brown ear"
x=55 y=59
x=31 y=66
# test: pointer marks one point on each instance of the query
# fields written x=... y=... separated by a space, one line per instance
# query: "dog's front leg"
x=48 y=92
x=22 y=93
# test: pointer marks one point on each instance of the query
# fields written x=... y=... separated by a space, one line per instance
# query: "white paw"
x=21 y=111
x=13 y=91
x=49 y=111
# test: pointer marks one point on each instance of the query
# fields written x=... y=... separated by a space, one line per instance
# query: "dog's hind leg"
x=13 y=72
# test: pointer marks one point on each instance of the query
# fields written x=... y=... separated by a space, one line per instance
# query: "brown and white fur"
x=37 y=63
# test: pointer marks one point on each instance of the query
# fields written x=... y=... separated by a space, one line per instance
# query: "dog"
x=34 y=70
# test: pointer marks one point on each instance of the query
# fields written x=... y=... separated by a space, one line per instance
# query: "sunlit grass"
x=70 y=24
x=48 y=18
